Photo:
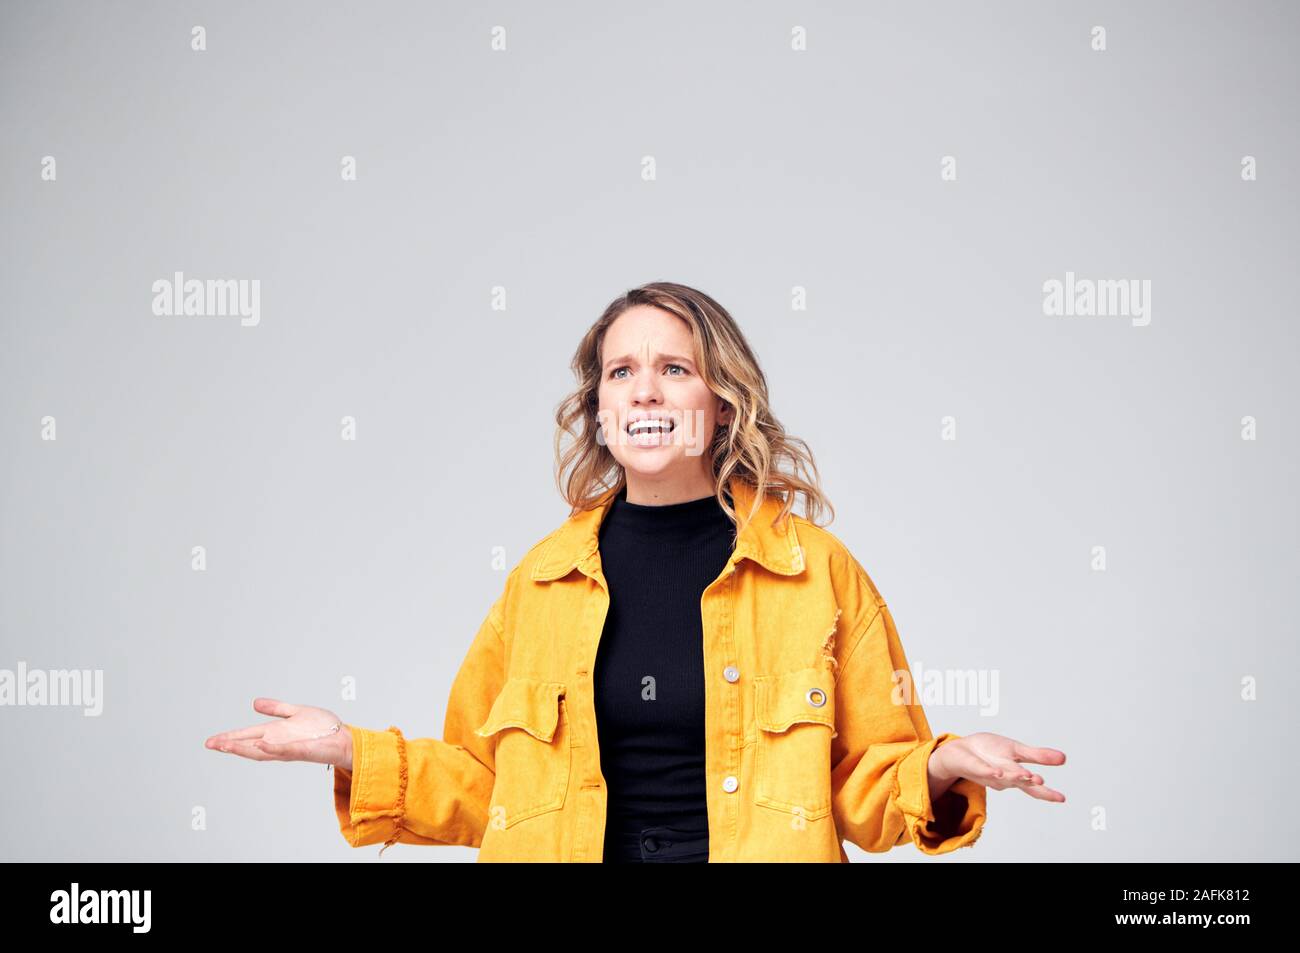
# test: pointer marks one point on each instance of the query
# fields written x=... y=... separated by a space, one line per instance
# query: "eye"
x=614 y=375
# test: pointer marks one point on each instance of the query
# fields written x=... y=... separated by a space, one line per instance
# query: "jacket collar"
x=776 y=548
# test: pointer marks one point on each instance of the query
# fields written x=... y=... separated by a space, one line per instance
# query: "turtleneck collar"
x=670 y=521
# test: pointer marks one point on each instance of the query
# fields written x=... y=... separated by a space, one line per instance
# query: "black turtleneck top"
x=649 y=678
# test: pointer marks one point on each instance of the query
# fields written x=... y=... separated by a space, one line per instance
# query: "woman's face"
x=648 y=370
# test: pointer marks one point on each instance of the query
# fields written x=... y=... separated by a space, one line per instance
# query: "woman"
x=586 y=724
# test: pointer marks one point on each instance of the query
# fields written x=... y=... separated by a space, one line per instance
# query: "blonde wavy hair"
x=753 y=446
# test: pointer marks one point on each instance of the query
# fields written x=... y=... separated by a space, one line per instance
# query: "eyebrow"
x=662 y=358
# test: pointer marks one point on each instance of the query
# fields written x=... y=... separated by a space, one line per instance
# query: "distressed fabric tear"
x=828 y=646
x=399 y=807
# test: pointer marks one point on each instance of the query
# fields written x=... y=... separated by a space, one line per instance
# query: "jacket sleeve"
x=429 y=790
x=879 y=780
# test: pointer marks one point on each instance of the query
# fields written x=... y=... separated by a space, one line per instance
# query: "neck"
x=666 y=490
x=674 y=524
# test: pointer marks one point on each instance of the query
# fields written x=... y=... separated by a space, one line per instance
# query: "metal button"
x=650 y=844
x=816 y=697
x=729 y=783
x=731 y=673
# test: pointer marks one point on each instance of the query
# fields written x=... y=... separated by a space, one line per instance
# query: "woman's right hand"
x=303 y=733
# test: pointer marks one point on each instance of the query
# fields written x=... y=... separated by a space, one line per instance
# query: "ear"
x=725 y=411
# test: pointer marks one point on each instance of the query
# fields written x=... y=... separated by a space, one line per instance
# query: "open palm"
x=300 y=733
x=994 y=761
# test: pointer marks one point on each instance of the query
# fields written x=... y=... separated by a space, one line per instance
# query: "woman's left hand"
x=994 y=761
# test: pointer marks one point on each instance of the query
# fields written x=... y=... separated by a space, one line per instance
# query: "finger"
x=1043 y=793
x=273 y=706
x=293 y=751
x=1023 y=752
x=240 y=734
x=999 y=775
x=246 y=749
x=1019 y=774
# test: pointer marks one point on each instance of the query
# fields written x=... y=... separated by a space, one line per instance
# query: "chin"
x=649 y=469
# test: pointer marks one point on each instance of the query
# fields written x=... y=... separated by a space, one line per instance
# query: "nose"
x=646 y=391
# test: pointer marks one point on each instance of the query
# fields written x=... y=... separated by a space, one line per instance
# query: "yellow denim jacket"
x=805 y=743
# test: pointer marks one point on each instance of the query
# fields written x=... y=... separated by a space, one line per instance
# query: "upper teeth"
x=649 y=424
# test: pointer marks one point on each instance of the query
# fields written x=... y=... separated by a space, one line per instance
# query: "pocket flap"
x=805 y=695
x=528 y=704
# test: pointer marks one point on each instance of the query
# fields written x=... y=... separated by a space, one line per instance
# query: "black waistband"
x=658 y=844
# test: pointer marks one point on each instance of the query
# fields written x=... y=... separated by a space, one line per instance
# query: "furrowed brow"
x=661 y=358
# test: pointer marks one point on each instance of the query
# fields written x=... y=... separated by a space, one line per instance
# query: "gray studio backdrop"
x=1095 y=511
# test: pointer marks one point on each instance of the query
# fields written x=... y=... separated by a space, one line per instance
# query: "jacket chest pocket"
x=795 y=712
x=531 y=723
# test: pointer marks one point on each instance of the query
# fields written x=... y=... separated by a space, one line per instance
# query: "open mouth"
x=651 y=431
